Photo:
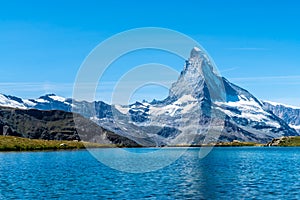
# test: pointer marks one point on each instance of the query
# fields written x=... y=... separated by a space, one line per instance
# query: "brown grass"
x=11 y=143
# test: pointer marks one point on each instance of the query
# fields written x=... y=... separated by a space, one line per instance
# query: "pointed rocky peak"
x=196 y=63
x=198 y=70
x=195 y=53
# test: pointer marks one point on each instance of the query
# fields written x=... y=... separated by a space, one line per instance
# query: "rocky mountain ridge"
x=56 y=125
x=202 y=107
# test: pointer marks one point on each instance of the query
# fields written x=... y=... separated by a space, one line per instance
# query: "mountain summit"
x=191 y=79
x=201 y=101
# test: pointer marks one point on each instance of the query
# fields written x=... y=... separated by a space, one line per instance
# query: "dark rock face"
x=56 y=125
x=139 y=113
x=168 y=132
x=35 y=124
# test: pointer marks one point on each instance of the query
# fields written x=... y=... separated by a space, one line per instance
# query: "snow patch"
x=42 y=101
x=183 y=104
x=250 y=109
x=168 y=110
x=123 y=110
x=29 y=102
x=57 y=98
x=4 y=101
x=94 y=118
x=297 y=127
x=185 y=99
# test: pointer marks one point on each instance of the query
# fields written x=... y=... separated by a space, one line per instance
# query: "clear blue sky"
x=255 y=44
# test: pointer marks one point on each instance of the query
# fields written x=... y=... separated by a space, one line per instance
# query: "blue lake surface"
x=227 y=173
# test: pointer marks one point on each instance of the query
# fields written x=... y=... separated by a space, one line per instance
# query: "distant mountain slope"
x=55 y=125
x=104 y=113
x=290 y=114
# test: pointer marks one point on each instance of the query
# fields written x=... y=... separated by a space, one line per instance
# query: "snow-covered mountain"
x=290 y=114
x=201 y=101
x=47 y=102
x=201 y=107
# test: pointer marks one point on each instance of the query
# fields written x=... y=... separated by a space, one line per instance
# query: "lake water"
x=227 y=173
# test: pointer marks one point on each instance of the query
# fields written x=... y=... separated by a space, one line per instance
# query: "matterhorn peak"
x=195 y=53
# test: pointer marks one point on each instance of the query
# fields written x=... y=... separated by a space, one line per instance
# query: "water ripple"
x=227 y=173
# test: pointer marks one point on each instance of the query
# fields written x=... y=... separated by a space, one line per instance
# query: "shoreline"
x=18 y=144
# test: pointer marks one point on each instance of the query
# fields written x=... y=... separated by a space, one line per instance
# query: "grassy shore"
x=292 y=141
x=11 y=143
x=238 y=144
x=225 y=144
